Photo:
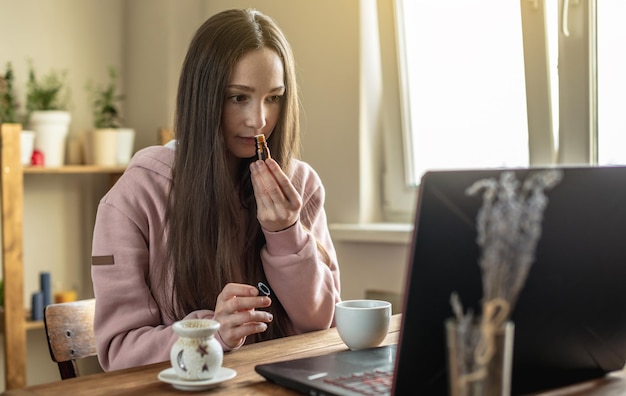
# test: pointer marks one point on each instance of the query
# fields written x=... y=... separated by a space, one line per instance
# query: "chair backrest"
x=69 y=329
x=165 y=135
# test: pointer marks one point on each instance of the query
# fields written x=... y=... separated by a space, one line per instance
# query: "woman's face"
x=253 y=102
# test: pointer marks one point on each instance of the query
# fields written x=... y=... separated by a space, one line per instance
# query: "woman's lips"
x=248 y=140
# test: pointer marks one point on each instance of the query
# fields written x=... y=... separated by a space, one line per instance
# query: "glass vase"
x=479 y=361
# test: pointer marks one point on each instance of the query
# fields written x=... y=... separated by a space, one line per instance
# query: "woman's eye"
x=275 y=98
x=236 y=98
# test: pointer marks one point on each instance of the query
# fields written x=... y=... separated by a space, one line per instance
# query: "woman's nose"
x=256 y=117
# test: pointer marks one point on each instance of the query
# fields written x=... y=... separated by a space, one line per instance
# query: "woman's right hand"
x=235 y=310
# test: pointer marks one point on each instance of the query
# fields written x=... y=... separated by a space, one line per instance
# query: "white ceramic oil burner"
x=196 y=355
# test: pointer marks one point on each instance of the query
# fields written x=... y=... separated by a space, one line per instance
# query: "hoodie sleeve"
x=300 y=262
x=130 y=327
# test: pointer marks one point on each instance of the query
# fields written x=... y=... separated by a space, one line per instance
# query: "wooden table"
x=143 y=380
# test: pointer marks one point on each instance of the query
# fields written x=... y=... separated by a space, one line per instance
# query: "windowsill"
x=393 y=233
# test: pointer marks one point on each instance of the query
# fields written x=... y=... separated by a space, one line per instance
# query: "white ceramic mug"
x=362 y=323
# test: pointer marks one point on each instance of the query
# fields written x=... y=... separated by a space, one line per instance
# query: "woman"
x=191 y=227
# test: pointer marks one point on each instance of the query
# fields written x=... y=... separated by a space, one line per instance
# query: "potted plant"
x=47 y=101
x=105 y=102
x=8 y=101
x=9 y=117
x=111 y=144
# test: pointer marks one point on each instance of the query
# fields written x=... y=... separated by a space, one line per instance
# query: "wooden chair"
x=164 y=135
x=69 y=329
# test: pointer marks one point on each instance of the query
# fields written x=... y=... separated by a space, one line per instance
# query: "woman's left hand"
x=278 y=202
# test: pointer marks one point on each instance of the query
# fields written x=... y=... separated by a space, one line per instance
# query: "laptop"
x=570 y=321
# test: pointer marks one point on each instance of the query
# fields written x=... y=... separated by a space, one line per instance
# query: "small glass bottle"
x=262 y=151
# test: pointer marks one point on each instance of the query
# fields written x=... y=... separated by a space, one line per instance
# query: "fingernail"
x=271 y=317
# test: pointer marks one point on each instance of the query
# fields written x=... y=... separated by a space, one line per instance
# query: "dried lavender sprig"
x=468 y=337
x=509 y=227
x=531 y=225
x=495 y=237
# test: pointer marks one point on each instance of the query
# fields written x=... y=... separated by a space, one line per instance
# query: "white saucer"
x=169 y=376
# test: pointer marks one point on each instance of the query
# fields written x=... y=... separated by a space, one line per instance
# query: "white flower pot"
x=27 y=144
x=109 y=146
x=51 y=129
x=104 y=146
x=125 y=145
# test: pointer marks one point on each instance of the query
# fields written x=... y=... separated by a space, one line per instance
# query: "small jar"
x=196 y=355
x=262 y=151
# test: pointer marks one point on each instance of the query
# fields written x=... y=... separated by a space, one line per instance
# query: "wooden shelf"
x=33 y=324
x=28 y=324
x=14 y=318
x=76 y=169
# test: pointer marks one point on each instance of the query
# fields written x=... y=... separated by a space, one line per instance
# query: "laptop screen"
x=570 y=321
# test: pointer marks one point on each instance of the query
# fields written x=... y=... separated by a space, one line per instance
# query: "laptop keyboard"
x=377 y=382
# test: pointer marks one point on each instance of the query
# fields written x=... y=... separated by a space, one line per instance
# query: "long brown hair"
x=213 y=234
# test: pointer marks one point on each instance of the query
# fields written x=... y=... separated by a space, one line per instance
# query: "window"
x=611 y=82
x=465 y=85
x=482 y=86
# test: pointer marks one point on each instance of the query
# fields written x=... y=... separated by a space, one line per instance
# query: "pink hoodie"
x=131 y=328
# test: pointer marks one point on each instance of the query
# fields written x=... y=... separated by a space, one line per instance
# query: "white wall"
x=83 y=37
x=147 y=39
x=325 y=38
